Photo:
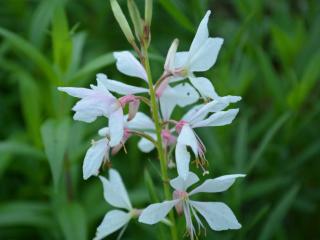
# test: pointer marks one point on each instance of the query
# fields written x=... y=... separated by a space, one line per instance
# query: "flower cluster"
x=177 y=86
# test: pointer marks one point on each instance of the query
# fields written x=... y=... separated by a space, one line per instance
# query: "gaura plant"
x=177 y=86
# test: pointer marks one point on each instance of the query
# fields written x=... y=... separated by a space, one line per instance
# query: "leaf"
x=91 y=67
x=175 y=13
x=31 y=106
x=36 y=214
x=55 y=138
x=266 y=140
x=150 y=186
x=275 y=218
x=72 y=220
x=32 y=54
x=61 y=39
x=19 y=148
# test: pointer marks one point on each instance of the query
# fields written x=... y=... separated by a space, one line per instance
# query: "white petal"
x=129 y=65
x=218 y=215
x=156 y=212
x=141 y=121
x=112 y=195
x=122 y=88
x=94 y=158
x=167 y=102
x=116 y=180
x=192 y=112
x=187 y=137
x=201 y=35
x=181 y=59
x=145 y=145
x=230 y=99
x=112 y=221
x=76 y=92
x=204 y=86
x=219 y=184
x=206 y=55
x=180 y=184
x=218 y=119
x=185 y=94
x=104 y=132
x=116 y=126
x=182 y=160
x=101 y=78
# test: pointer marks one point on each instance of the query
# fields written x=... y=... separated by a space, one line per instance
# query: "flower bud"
x=169 y=64
x=136 y=19
x=122 y=21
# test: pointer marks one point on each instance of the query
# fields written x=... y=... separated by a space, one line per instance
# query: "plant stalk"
x=160 y=149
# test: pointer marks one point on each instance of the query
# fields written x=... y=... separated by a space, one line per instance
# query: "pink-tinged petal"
x=182 y=160
x=181 y=184
x=133 y=108
x=112 y=221
x=217 y=214
x=201 y=35
x=76 y=92
x=206 y=56
x=188 y=138
x=94 y=158
x=156 y=212
x=129 y=65
x=116 y=180
x=219 y=184
x=204 y=86
x=218 y=119
x=116 y=126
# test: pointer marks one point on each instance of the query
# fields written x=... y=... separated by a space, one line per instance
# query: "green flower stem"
x=161 y=153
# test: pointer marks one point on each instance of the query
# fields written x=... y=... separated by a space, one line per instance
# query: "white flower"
x=201 y=56
x=98 y=101
x=217 y=214
x=116 y=195
x=200 y=116
x=181 y=95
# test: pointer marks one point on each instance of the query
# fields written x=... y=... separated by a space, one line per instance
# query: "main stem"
x=160 y=149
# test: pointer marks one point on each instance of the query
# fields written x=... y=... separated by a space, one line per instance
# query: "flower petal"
x=182 y=160
x=140 y=122
x=112 y=221
x=181 y=59
x=94 y=158
x=116 y=127
x=206 y=56
x=129 y=65
x=219 y=184
x=204 y=86
x=218 y=119
x=76 y=92
x=112 y=194
x=145 y=145
x=116 y=180
x=187 y=137
x=201 y=35
x=185 y=94
x=156 y=212
x=122 y=88
x=218 y=215
x=104 y=132
x=180 y=184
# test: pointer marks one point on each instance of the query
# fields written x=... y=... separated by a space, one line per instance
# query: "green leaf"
x=34 y=214
x=55 y=138
x=72 y=220
x=31 y=106
x=175 y=12
x=150 y=186
x=61 y=39
x=266 y=140
x=275 y=218
x=94 y=65
x=32 y=54
x=19 y=148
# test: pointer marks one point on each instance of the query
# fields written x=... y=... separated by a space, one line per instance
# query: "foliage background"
x=271 y=57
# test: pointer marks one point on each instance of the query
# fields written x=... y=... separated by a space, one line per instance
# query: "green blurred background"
x=270 y=57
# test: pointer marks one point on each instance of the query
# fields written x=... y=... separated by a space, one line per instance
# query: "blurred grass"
x=271 y=57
